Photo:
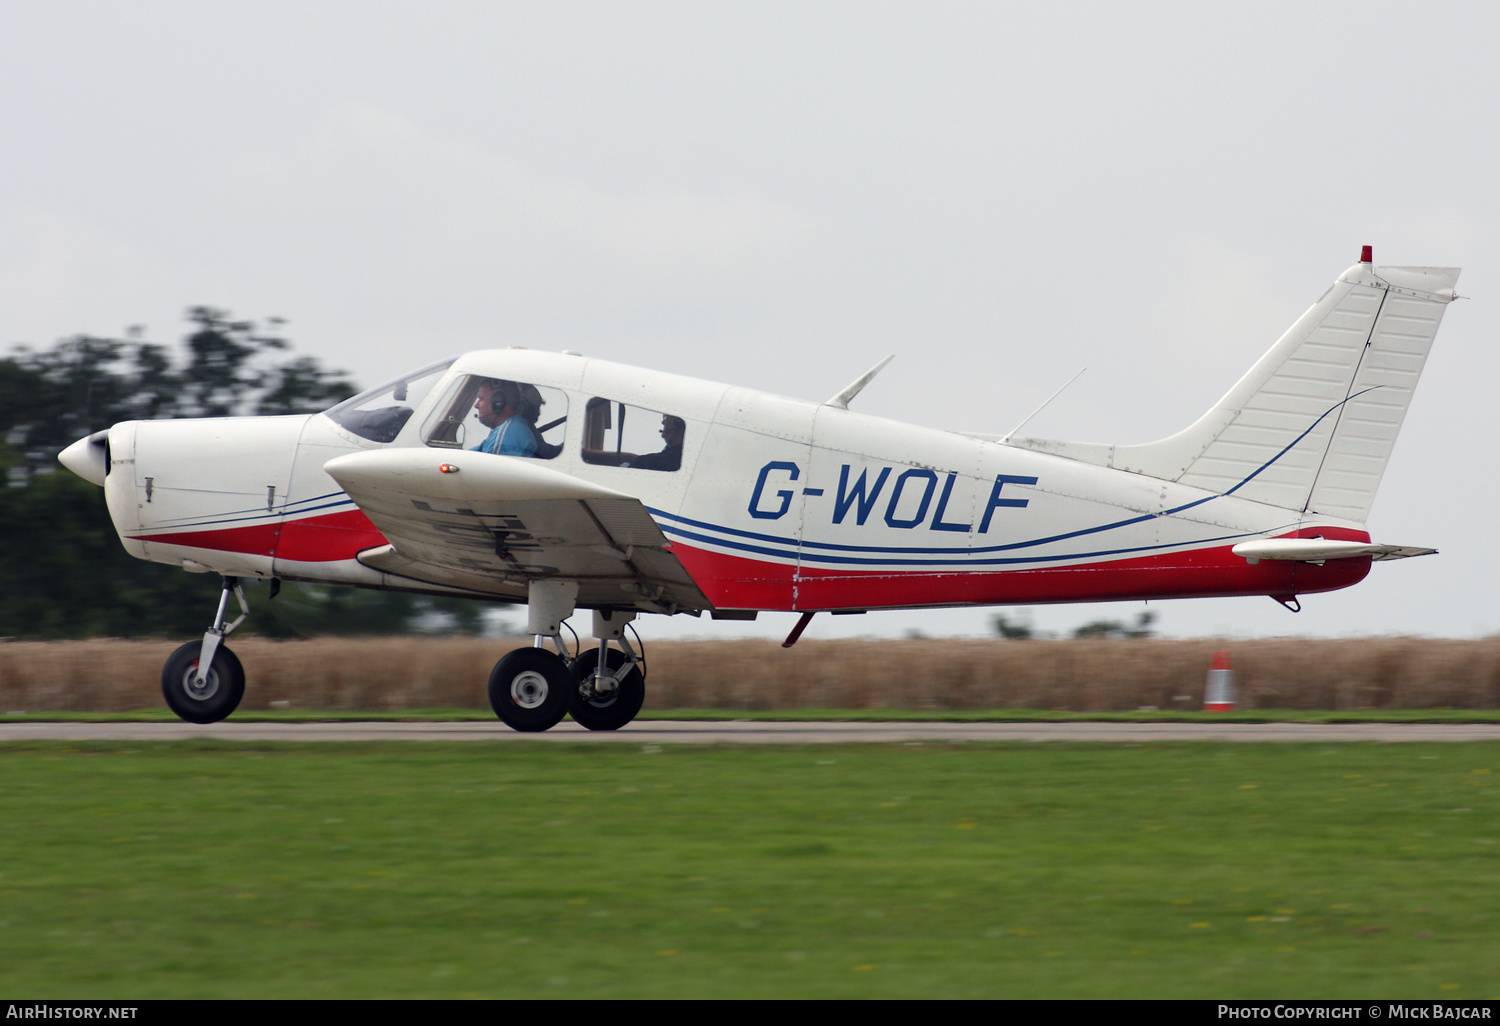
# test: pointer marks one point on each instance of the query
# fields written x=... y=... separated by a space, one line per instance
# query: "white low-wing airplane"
x=525 y=476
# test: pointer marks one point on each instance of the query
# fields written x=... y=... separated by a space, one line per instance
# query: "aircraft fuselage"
x=778 y=504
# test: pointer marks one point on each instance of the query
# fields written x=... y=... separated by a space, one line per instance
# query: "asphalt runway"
x=745 y=732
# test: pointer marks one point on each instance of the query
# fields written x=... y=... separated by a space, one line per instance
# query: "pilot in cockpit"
x=510 y=410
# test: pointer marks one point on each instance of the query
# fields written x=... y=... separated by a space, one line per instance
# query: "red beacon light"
x=447 y=468
x=1367 y=255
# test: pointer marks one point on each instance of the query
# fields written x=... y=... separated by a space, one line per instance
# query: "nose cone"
x=88 y=457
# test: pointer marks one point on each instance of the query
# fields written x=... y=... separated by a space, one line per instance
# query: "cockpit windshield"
x=380 y=413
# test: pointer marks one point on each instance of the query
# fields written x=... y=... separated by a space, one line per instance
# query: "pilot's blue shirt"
x=512 y=438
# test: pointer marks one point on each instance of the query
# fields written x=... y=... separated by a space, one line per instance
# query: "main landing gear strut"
x=203 y=681
x=531 y=689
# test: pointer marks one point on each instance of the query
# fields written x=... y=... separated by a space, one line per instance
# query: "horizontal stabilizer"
x=1316 y=550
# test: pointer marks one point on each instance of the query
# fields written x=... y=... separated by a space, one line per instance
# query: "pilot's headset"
x=503 y=393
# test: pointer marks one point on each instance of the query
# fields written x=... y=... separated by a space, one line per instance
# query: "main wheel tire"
x=223 y=686
x=530 y=689
x=610 y=712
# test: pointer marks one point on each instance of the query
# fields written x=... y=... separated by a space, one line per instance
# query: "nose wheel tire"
x=219 y=694
x=530 y=689
x=612 y=710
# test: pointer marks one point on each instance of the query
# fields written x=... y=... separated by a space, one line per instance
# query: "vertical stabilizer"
x=1415 y=298
x=1312 y=424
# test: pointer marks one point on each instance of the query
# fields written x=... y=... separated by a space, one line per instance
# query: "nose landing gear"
x=203 y=681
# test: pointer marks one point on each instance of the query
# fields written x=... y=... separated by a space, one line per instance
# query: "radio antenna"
x=1009 y=434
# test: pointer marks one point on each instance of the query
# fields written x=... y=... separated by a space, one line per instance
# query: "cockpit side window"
x=617 y=434
x=500 y=416
x=380 y=413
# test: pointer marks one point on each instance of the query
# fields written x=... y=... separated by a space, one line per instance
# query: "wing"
x=493 y=524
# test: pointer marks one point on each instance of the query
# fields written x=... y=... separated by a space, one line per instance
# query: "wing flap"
x=622 y=520
x=495 y=523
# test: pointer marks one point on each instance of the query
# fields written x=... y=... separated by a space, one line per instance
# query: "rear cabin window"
x=617 y=434
x=501 y=416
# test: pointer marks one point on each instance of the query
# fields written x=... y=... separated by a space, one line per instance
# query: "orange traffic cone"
x=1219 y=695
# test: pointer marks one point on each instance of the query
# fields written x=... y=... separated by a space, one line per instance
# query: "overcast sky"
x=778 y=195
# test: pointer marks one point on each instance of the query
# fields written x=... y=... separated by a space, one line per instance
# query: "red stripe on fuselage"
x=327 y=538
x=734 y=582
x=320 y=539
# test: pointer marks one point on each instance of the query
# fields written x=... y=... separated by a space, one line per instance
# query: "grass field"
x=1190 y=870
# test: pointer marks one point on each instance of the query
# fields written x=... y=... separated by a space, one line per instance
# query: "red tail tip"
x=1220 y=661
x=1367 y=255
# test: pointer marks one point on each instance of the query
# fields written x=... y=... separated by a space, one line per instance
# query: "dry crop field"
x=410 y=673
